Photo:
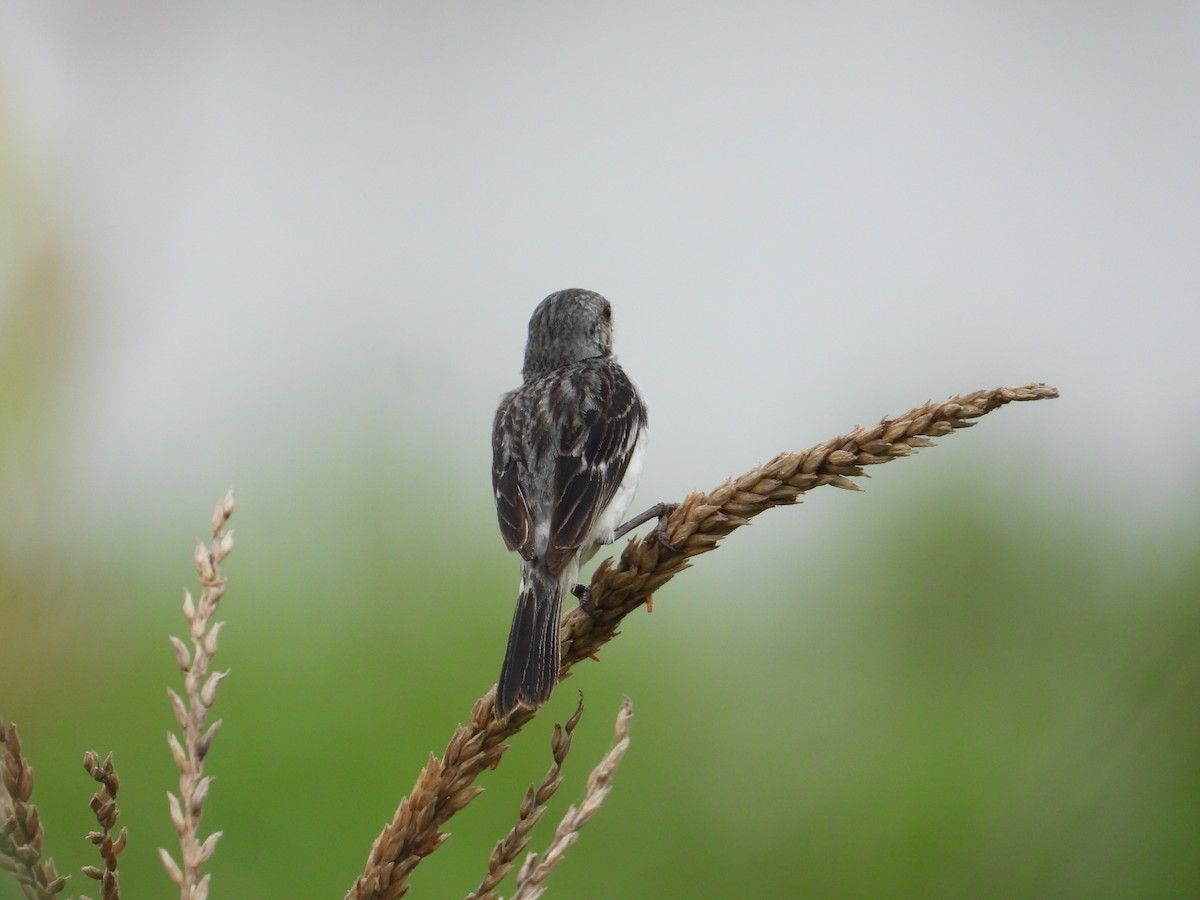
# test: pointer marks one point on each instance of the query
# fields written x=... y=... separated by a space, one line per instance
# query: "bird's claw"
x=584 y=593
x=660 y=530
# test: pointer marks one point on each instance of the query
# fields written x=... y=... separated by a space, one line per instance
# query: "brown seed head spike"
x=646 y=564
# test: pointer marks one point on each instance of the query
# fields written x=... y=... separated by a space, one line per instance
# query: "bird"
x=568 y=447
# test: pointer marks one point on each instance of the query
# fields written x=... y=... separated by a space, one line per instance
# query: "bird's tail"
x=531 y=660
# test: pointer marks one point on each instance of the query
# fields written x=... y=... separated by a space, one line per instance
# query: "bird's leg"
x=658 y=511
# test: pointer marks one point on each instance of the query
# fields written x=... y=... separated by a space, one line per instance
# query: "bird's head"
x=567 y=327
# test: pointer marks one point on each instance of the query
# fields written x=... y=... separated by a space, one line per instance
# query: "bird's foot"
x=660 y=511
x=660 y=530
x=584 y=593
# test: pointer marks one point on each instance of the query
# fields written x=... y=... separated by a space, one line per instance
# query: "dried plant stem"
x=21 y=833
x=533 y=806
x=104 y=805
x=702 y=520
x=200 y=691
x=531 y=881
x=444 y=786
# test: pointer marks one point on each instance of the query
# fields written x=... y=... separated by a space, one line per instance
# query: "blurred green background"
x=947 y=686
x=294 y=250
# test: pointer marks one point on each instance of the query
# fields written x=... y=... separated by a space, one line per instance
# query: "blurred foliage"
x=38 y=324
x=962 y=687
x=967 y=692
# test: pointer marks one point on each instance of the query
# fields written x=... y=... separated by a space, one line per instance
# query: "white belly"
x=608 y=521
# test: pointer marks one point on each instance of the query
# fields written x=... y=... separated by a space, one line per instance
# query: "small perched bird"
x=567 y=450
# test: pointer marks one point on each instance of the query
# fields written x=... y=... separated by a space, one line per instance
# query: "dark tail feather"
x=531 y=660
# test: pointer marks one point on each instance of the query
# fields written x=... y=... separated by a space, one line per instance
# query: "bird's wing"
x=594 y=450
x=511 y=507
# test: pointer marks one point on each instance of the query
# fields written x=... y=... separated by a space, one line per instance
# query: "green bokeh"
x=956 y=685
x=965 y=692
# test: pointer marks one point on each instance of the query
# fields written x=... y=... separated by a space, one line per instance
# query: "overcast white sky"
x=328 y=226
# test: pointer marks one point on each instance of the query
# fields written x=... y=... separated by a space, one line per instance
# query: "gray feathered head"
x=567 y=327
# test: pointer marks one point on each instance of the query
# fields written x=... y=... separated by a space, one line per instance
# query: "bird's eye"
x=607 y=313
